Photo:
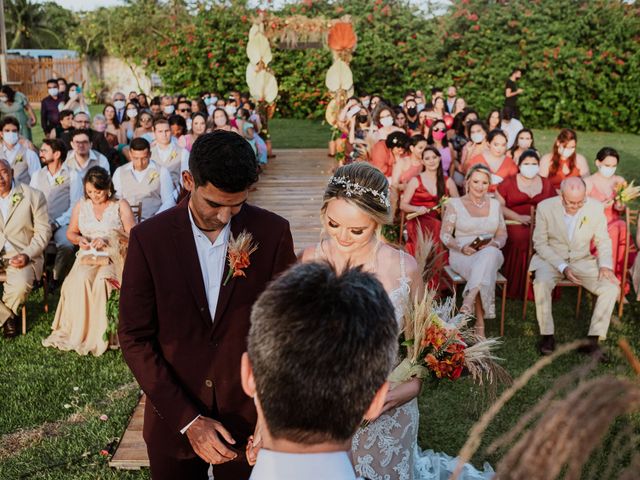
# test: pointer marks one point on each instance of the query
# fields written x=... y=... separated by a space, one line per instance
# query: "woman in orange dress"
x=408 y=167
x=422 y=194
x=517 y=195
x=563 y=161
x=496 y=158
x=602 y=186
x=385 y=153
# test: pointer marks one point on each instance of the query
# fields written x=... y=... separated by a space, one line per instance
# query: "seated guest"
x=524 y=141
x=220 y=121
x=384 y=119
x=198 y=127
x=601 y=186
x=477 y=145
x=496 y=159
x=167 y=154
x=437 y=137
x=345 y=324
x=65 y=125
x=99 y=143
x=82 y=157
x=422 y=195
x=565 y=228
x=81 y=317
x=24 y=233
x=563 y=161
x=143 y=181
x=408 y=167
x=385 y=154
x=466 y=219
x=62 y=188
x=22 y=160
x=517 y=195
x=510 y=125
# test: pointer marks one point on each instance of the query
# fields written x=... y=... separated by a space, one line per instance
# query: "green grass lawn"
x=51 y=401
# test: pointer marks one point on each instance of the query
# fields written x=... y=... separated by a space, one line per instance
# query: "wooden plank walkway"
x=292 y=186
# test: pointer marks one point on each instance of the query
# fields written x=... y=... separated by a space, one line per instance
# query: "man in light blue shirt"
x=320 y=348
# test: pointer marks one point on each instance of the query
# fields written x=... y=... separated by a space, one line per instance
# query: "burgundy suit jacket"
x=185 y=363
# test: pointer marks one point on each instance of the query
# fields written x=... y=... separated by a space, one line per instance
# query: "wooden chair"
x=137 y=211
x=631 y=218
x=3 y=278
x=403 y=221
x=452 y=280
x=528 y=278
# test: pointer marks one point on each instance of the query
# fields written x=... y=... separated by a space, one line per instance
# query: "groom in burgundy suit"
x=183 y=329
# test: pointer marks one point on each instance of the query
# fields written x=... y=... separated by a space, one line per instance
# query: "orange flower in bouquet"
x=239 y=251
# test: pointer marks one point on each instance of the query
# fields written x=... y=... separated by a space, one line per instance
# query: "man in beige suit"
x=565 y=227
x=24 y=234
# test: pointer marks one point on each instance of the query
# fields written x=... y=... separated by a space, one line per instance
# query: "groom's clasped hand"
x=206 y=437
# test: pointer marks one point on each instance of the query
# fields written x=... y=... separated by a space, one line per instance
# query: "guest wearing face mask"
x=131 y=121
x=221 y=121
x=563 y=161
x=50 y=107
x=120 y=103
x=524 y=141
x=601 y=186
x=437 y=137
x=76 y=102
x=23 y=161
x=62 y=88
x=384 y=118
x=411 y=111
x=497 y=158
x=156 y=107
x=477 y=145
x=210 y=102
x=16 y=104
x=517 y=195
x=166 y=104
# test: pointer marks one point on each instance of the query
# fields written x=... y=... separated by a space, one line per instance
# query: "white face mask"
x=214 y=100
x=420 y=106
x=607 y=172
x=386 y=121
x=53 y=92
x=3 y=99
x=477 y=137
x=169 y=109
x=566 y=152
x=132 y=113
x=231 y=110
x=73 y=94
x=189 y=123
x=10 y=137
x=524 y=144
x=210 y=109
x=529 y=171
x=119 y=104
x=366 y=102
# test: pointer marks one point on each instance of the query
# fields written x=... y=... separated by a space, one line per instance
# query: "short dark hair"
x=224 y=159
x=317 y=338
x=507 y=113
x=605 y=152
x=496 y=132
x=156 y=101
x=100 y=179
x=397 y=139
x=159 y=121
x=515 y=70
x=57 y=145
x=530 y=153
x=80 y=131
x=10 y=120
x=139 y=144
x=65 y=113
x=53 y=80
x=178 y=120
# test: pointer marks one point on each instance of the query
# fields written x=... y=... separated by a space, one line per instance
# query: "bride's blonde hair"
x=364 y=186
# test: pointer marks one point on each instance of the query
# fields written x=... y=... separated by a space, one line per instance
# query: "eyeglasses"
x=185 y=110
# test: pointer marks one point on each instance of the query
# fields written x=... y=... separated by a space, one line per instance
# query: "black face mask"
x=412 y=111
x=361 y=118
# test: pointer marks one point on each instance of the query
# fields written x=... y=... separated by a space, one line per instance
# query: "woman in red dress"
x=563 y=161
x=601 y=186
x=496 y=158
x=423 y=193
x=517 y=195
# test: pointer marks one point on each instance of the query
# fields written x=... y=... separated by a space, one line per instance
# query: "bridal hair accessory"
x=240 y=249
x=355 y=189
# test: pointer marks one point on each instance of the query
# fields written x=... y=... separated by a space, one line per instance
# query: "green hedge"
x=581 y=58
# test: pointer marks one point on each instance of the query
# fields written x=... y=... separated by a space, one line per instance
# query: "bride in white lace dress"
x=356 y=205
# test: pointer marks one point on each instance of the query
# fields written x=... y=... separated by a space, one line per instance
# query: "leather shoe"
x=10 y=328
x=547 y=345
x=594 y=350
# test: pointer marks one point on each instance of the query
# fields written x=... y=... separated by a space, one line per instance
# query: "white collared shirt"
x=166 y=185
x=298 y=466
x=570 y=222
x=93 y=155
x=5 y=204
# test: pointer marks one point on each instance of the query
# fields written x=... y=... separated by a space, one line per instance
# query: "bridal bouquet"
x=626 y=193
x=440 y=345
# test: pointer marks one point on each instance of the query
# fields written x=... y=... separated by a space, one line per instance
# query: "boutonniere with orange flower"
x=238 y=253
x=153 y=176
x=15 y=199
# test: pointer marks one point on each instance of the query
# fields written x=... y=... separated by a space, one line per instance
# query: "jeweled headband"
x=355 y=189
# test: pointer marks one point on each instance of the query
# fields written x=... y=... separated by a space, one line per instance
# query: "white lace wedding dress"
x=387 y=449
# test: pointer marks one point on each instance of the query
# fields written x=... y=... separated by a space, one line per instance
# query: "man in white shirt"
x=302 y=432
x=168 y=154
x=511 y=126
x=565 y=228
x=142 y=181
x=23 y=160
x=62 y=187
x=81 y=158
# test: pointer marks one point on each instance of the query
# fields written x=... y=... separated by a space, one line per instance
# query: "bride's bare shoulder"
x=391 y=257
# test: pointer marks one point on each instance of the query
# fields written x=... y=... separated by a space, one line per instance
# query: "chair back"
x=631 y=218
x=137 y=212
x=532 y=226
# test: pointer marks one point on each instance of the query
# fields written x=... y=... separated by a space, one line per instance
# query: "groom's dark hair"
x=225 y=160
x=321 y=345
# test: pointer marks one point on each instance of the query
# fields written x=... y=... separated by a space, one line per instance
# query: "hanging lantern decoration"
x=342 y=40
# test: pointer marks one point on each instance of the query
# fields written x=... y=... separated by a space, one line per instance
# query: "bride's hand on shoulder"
x=401 y=394
x=254 y=445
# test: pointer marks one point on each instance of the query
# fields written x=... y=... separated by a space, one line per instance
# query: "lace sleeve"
x=448 y=228
x=501 y=233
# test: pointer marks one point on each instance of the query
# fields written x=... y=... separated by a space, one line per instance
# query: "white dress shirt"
x=166 y=185
x=570 y=222
x=5 y=203
x=297 y=466
x=212 y=258
x=31 y=157
x=93 y=155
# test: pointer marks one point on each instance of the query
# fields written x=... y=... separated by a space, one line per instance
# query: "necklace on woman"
x=478 y=204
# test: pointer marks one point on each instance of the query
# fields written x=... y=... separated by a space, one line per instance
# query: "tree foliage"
x=37 y=25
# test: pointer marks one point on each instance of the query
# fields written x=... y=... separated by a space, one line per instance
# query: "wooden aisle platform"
x=292 y=186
